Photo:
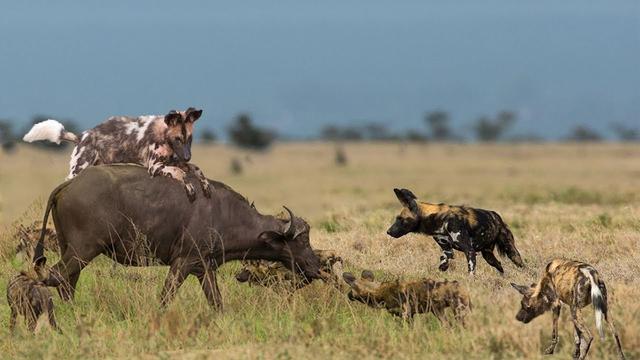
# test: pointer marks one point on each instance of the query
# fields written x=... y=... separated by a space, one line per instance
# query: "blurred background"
x=376 y=70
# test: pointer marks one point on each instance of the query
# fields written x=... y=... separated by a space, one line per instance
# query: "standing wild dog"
x=28 y=296
x=456 y=227
x=573 y=283
x=406 y=299
x=161 y=143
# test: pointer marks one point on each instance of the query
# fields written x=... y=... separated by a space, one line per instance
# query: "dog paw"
x=444 y=266
x=207 y=189
x=191 y=192
x=549 y=350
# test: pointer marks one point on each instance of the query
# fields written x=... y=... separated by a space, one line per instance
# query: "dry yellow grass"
x=574 y=201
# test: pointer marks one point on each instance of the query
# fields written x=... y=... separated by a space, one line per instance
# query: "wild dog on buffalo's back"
x=161 y=143
x=576 y=284
x=456 y=227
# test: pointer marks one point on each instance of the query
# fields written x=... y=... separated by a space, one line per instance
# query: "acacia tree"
x=245 y=134
x=438 y=124
x=489 y=130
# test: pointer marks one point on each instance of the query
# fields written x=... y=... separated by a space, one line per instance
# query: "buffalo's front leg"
x=210 y=288
x=178 y=272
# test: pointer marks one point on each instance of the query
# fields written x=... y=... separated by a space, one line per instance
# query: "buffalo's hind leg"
x=65 y=274
x=210 y=288
x=178 y=272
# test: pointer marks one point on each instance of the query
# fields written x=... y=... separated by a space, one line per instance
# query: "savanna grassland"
x=575 y=201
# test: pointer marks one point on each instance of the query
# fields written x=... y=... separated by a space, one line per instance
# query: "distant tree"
x=208 y=136
x=378 y=132
x=236 y=166
x=415 y=136
x=335 y=133
x=584 y=133
x=340 y=156
x=488 y=130
x=244 y=133
x=438 y=124
x=7 y=137
x=625 y=133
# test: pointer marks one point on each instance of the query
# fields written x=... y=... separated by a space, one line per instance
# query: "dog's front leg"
x=157 y=167
x=204 y=182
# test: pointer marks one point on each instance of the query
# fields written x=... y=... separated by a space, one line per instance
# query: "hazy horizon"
x=299 y=66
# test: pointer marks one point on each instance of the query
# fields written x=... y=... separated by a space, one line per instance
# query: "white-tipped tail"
x=597 y=300
x=50 y=130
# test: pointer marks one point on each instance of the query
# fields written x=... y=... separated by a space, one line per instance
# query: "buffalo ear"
x=172 y=118
x=407 y=199
x=367 y=275
x=349 y=278
x=192 y=114
x=271 y=237
x=524 y=290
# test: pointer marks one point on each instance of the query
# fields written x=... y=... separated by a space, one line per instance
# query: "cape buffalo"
x=119 y=211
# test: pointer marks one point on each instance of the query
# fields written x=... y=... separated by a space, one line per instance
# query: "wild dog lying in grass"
x=573 y=283
x=273 y=273
x=161 y=143
x=28 y=238
x=456 y=227
x=28 y=296
x=406 y=299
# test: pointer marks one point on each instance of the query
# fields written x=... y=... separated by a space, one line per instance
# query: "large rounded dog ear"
x=349 y=278
x=192 y=114
x=522 y=289
x=172 y=118
x=367 y=275
x=407 y=199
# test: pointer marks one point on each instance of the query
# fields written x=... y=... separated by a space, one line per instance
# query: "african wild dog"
x=406 y=299
x=456 y=227
x=272 y=273
x=577 y=285
x=28 y=238
x=28 y=296
x=162 y=143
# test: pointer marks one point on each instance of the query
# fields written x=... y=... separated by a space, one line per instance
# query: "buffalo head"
x=291 y=244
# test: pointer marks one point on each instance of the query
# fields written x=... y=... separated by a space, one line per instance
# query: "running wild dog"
x=577 y=285
x=405 y=299
x=28 y=296
x=161 y=143
x=456 y=227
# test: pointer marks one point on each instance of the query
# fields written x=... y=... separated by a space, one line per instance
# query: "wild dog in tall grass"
x=28 y=236
x=456 y=227
x=577 y=285
x=273 y=273
x=162 y=143
x=28 y=296
x=405 y=299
